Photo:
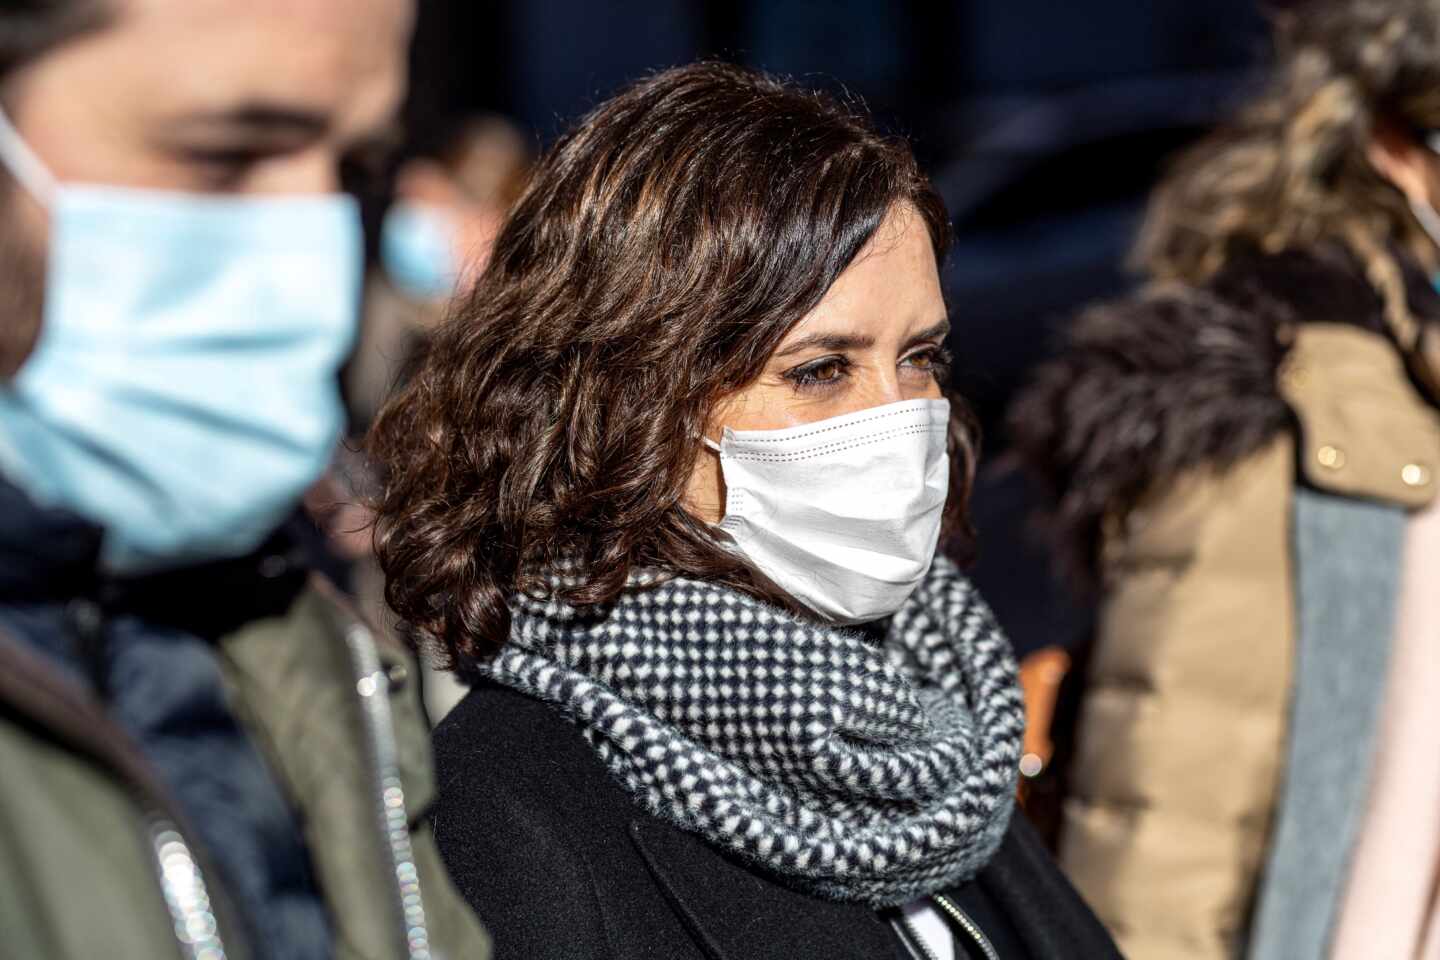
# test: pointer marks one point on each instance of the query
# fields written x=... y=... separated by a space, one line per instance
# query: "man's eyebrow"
x=258 y=118
x=827 y=341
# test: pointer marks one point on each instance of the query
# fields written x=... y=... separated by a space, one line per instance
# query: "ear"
x=1400 y=158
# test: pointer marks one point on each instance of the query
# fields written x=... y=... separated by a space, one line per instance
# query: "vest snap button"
x=1415 y=475
x=1296 y=377
x=1331 y=458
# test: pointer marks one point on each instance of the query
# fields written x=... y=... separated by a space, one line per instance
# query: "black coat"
x=561 y=863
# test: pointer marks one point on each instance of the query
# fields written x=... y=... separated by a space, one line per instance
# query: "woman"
x=1244 y=455
x=668 y=489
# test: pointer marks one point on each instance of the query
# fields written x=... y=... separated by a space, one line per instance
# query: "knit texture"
x=849 y=768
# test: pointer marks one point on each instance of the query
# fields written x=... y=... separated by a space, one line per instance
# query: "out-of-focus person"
x=451 y=194
x=667 y=489
x=206 y=753
x=449 y=201
x=1245 y=459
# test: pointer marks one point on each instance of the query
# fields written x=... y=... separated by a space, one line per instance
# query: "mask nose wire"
x=23 y=163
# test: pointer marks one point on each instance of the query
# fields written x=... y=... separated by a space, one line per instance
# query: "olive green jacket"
x=100 y=863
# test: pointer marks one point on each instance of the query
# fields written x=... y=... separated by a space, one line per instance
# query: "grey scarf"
x=1347 y=578
x=849 y=769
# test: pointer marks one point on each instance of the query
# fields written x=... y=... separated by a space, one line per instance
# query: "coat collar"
x=49 y=557
x=1178 y=377
x=43 y=551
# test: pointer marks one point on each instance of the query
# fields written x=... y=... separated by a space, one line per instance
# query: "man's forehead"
x=308 y=19
x=324 y=56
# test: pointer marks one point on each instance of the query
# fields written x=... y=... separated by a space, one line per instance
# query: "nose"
x=885 y=387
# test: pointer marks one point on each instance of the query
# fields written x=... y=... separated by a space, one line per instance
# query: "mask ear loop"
x=1428 y=218
x=710 y=443
x=1424 y=213
x=24 y=164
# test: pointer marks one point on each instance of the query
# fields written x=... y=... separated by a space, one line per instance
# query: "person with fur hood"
x=1243 y=456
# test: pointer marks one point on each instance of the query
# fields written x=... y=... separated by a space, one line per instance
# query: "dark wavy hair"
x=656 y=259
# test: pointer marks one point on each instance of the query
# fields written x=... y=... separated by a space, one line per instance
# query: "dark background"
x=1043 y=124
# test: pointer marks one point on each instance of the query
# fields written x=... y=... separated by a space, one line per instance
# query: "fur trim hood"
x=1175 y=377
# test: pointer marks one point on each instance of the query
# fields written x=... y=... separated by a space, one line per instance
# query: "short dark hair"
x=660 y=253
x=28 y=28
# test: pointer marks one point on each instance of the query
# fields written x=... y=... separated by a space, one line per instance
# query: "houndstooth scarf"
x=849 y=769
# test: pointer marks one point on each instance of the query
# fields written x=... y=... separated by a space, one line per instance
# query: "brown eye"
x=933 y=362
x=825 y=372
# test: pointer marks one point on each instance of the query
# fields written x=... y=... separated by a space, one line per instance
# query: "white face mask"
x=843 y=514
x=183 y=392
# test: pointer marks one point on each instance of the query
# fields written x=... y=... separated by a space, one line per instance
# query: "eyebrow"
x=258 y=118
x=827 y=341
x=844 y=341
x=936 y=331
x=284 y=126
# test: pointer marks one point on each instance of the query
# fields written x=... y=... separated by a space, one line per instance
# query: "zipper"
x=32 y=687
x=962 y=920
x=86 y=621
x=373 y=685
x=911 y=938
x=183 y=885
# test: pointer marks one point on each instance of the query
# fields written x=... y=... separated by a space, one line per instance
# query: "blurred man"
x=205 y=753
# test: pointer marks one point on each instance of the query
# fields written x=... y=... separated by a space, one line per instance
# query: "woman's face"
x=876 y=337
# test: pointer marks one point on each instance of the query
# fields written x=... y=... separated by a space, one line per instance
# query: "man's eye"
x=220 y=157
x=218 y=168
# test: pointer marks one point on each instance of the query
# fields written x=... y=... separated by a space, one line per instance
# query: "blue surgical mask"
x=183 y=393
x=417 y=248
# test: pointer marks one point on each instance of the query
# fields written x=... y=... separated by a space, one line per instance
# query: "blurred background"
x=1044 y=125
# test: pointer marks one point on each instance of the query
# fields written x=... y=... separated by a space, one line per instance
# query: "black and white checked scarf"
x=850 y=771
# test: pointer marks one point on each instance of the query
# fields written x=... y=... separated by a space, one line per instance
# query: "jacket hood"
x=1175 y=377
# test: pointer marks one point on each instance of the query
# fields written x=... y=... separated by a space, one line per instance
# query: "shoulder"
x=525 y=818
x=499 y=742
x=1366 y=430
x=1141 y=391
x=513 y=773
x=1171 y=375
x=300 y=670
